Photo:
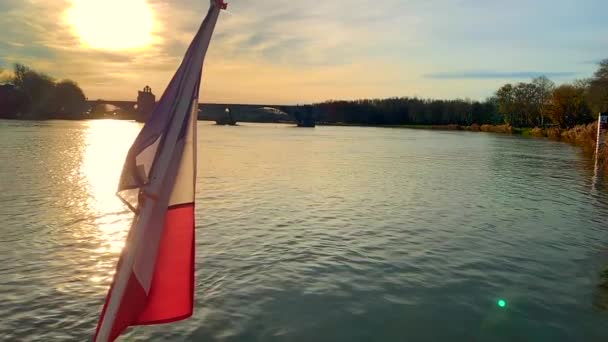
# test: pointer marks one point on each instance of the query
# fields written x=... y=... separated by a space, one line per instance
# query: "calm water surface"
x=325 y=234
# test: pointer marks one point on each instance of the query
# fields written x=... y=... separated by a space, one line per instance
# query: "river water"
x=324 y=234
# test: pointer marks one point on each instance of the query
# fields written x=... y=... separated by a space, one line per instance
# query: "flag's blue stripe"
x=160 y=119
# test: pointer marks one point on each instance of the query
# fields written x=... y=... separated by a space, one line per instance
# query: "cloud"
x=499 y=74
x=595 y=61
x=297 y=51
x=7 y=5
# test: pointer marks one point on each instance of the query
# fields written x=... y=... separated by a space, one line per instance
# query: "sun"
x=112 y=24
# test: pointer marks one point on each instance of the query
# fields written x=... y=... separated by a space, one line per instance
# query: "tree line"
x=537 y=103
x=407 y=111
x=29 y=94
x=541 y=102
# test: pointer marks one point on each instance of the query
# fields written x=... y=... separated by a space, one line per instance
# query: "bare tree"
x=544 y=87
x=505 y=97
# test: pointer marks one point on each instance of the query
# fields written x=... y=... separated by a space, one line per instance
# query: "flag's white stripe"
x=183 y=189
x=162 y=182
x=167 y=163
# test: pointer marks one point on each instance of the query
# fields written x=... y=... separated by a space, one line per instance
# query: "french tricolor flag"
x=154 y=279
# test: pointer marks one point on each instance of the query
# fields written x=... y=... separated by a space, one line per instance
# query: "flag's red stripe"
x=133 y=301
x=171 y=295
x=111 y=291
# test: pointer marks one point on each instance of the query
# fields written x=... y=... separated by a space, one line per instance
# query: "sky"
x=302 y=51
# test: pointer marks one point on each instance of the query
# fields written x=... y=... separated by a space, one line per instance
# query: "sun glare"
x=112 y=24
x=106 y=149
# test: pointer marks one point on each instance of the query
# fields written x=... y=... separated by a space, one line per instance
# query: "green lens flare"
x=502 y=303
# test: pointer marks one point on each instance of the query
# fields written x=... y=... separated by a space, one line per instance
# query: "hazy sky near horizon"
x=299 y=51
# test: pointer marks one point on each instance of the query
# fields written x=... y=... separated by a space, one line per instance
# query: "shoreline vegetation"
x=31 y=95
x=538 y=108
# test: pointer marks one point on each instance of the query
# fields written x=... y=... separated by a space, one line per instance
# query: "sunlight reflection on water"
x=107 y=143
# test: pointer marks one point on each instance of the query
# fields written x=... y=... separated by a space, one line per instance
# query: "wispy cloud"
x=595 y=61
x=300 y=51
x=500 y=74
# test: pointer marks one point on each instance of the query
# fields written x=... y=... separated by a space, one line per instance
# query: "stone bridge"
x=207 y=111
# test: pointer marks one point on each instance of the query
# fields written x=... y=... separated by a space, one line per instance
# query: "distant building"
x=146 y=101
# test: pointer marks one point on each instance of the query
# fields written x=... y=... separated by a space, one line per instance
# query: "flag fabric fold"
x=154 y=279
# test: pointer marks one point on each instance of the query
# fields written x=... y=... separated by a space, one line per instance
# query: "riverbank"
x=452 y=127
x=583 y=136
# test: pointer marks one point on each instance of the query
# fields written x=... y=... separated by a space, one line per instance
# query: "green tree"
x=598 y=89
x=38 y=88
x=68 y=100
x=569 y=106
x=505 y=98
x=46 y=99
x=526 y=111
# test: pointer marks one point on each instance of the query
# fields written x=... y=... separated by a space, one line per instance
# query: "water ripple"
x=336 y=233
